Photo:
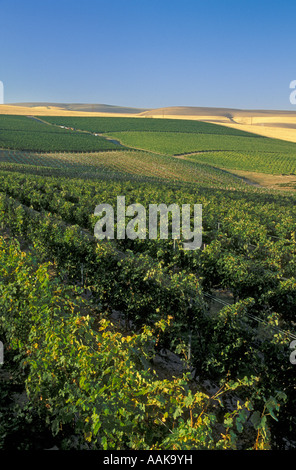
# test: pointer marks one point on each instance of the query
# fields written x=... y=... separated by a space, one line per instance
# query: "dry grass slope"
x=268 y=123
x=275 y=124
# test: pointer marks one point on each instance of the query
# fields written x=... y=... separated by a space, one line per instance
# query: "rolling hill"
x=269 y=123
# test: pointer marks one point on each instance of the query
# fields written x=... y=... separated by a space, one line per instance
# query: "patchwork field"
x=212 y=151
x=218 y=146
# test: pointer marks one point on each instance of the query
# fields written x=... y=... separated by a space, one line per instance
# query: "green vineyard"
x=24 y=133
x=86 y=323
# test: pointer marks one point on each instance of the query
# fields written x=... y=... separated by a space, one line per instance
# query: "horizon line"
x=142 y=107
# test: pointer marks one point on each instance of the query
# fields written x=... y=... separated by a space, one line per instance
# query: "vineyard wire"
x=253 y=317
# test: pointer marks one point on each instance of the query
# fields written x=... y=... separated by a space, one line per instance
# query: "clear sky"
x=149 y=53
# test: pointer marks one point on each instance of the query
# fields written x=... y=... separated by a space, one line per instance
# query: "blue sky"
x=149 y=53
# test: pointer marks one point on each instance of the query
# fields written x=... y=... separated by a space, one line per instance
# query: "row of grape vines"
x=19 y=132
x=147 y=291
x=136 y=165
x=67 y=356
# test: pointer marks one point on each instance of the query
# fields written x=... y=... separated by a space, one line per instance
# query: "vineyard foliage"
x=173 y=143
x=216 y=145
x=118 y=165
x=17 y=132
x=219 y=146
x=121 y=124
x=58 y=297
x=70 y=363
